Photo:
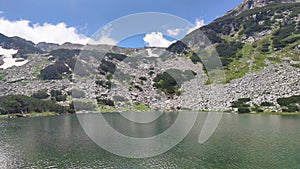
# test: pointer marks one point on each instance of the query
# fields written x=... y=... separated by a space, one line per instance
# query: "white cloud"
x=51 y=33
x=198 y=24
x=156 y=39
x=104 y=37
x=173 y=32
x=61 y=33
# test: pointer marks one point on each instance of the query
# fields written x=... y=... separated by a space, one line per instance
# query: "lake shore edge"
x=28 y=115
x=49 y=114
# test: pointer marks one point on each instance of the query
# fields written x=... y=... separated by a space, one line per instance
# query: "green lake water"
x=240 y=141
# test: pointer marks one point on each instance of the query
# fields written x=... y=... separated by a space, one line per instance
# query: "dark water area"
x=240 y=141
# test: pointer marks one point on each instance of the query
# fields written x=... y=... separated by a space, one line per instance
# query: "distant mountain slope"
x=249 y=41
x=251 y=4
x=258 y=45
x=24 y=47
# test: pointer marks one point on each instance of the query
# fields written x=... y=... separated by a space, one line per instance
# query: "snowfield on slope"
x=9 y=61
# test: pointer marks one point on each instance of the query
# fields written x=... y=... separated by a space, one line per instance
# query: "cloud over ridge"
x=198 y=24
x=60 y=33
x=46 y=32
x=156 y=39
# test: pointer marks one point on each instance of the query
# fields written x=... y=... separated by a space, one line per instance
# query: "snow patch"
x=150 y=54
x=9 y=61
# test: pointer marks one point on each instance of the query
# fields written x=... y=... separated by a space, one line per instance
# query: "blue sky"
x=87 y=16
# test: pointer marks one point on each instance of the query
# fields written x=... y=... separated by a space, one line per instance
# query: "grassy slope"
x=253 y=57
x=254 y=60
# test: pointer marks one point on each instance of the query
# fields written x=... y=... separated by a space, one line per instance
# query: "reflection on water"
x=139 y=130
x=241 y=141
x=106 y=136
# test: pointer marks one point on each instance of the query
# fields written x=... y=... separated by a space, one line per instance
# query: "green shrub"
x=265 y=47
x=25 y=104
x=109 y=76
x=138 y=87
x=296 y=65
x=195 y=58
x=214 y=38
x=242 y=105
x=42 y=94
x=55 y=93
x=228 y=50
x=293 y=108
x=244 y=100
x=256 y=108
x=171 y=80
x=166 y=83
x=58 y=96
x=103 y=101
x=103 y=83
x=267 y=104
x=282 y=33
x=61 y=98
x=2 y=111
x=290 y=104
x=151 y=73
x=288 y=100
x=143 y=78
x=241 y=102
x=243 y=110
x=2 y=76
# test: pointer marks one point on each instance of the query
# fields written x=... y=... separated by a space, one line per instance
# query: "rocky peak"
x=251 y=4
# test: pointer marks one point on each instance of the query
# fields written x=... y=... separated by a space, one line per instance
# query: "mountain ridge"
x=258 y=48
x=251 y=4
